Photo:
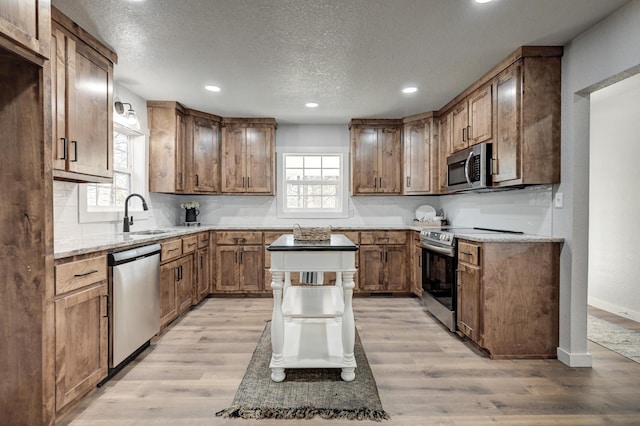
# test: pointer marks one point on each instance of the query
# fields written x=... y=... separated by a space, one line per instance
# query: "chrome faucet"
x=129 y=220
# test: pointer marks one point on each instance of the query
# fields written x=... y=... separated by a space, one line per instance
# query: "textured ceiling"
x=353 y=57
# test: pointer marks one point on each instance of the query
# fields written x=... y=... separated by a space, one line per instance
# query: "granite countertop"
x=119 y=241
x=503 y=237
x=337 y=242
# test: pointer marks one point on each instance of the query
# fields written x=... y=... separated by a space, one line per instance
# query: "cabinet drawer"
x=75 y=275
x=171 y=250
x=203 y=239
x=383 y=237
x=189 y=244
x=239 y=237
x=469 y=253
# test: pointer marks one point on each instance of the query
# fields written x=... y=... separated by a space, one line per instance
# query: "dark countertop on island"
x=338 y=242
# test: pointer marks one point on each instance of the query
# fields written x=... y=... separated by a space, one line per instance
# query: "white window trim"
x=281 y=194
x=138 y=185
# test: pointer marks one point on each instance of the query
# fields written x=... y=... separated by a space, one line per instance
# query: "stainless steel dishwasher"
x=135 y=301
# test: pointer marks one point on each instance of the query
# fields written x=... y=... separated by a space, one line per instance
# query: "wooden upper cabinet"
x=167 y=140
x=184 y=149
x=418 y=154
x=24 y=28
x=471 y=119
x=82 y=104
x=444 y=150
x=526 y=147
x=375 y=156
x=248 y=156
x=203 y=153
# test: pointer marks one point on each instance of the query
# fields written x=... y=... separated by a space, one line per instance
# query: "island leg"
x=348 y=326
x=277 y=328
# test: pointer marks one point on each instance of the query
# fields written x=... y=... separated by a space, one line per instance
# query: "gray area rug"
x=305 y=393
x=619 y=339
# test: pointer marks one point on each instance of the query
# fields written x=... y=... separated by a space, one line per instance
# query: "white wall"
x=527 y=210
x=591 y=59
x=614 y=204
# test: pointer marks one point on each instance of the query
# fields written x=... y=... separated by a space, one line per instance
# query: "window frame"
x=304 y=213
x=138 y=172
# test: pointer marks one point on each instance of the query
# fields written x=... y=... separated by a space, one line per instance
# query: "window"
x=313 y=185
x=104 y=202
x=100 y=195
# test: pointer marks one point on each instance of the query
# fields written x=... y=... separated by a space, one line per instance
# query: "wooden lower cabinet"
x=168 y=311
x=176 y=288
x=239 y=262
x=203 y=275
x=383 y=261
x=415 y=249
x=81 y=327
x=508 y=297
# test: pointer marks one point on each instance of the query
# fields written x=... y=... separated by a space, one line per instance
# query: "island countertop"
x=337 y=242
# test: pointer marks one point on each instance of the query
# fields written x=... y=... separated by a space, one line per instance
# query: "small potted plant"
x=191 y=207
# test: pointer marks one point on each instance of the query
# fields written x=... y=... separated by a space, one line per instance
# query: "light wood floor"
x=425 y=375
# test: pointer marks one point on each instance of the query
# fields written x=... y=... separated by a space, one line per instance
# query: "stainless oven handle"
x=441 y=250
x=466 y=168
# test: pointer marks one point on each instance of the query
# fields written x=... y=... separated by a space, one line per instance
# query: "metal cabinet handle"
x=248 y=182
x=75 y=150
x=463 y=129
x=180 y=273
x=243 y=181
x=197 y=181
x=180 y=178
x=171 y=250
x=408 y=181
x=191 y=244
x=241 y=256
x=466 y=253
x=468 y=132
x=106 y=298
x=84 y=274
x=201 y=262
x=64 y=148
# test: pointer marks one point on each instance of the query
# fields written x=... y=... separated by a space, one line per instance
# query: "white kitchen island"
x=312 y=326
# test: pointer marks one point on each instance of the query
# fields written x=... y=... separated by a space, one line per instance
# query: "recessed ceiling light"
x=311 y=105
x=410 y=90
x=483 y=1
x=212 y=88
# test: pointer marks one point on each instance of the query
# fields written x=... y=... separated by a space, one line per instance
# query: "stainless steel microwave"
x=470 y=168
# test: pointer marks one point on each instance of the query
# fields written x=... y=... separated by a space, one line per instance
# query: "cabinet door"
x=58 y=99
x=184 y=283
x=205 y=152
x=444 y=151
x=365 y=161
x=468 y=312
x=395 y=259
x=417 y=158
x=459 y=123
x=81 y=324
x=259 y=158
x=227 y=269
x=371 y=268
x=480 y=115
x=389 y=161
x=203 y=275
x=168 y=276
x=251 y=266
x=233 y=165
x=417 y=270
x=89 y=95
x=507 y=144
x=26 y=23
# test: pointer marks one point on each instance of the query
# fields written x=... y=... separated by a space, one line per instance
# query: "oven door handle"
x=441 y=250
x=466 y=169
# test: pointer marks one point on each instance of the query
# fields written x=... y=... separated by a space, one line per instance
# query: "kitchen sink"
x=150 y=232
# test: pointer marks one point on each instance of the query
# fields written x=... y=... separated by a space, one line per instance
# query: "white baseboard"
x=614 y=309
x=574 y=360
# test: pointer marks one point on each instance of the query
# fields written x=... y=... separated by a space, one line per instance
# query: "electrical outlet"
x=558 y=200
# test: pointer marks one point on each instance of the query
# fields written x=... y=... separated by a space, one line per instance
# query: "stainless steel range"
x=439 y=294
